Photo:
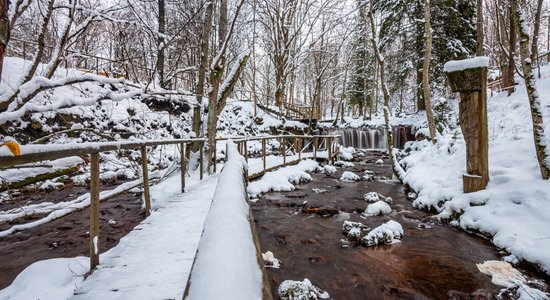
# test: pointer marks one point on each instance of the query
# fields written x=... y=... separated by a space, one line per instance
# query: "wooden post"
x=183 y=166
x=472 y=85
x=97 y=65
x=94 y=211
x=314 y=147
x=214 y=154
x=245 y=148
x=263 y=155
x=145 y=171
x=299 y=148
x=226 y=150
x=283 y=146
x=201 y=163
x=329 y=146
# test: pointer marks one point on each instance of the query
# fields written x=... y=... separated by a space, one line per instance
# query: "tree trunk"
x=479 y=29
x=534 y=101
x=426 y=71
x=199 y=90
x=4 y=32
x=162 y=31
x=536 y=30
x=385 y=92
x=511 y=54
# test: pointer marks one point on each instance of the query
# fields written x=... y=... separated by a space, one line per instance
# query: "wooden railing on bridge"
x=38 y=153
x=497 y=86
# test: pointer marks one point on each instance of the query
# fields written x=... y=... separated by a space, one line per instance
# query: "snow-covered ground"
x=514 y=208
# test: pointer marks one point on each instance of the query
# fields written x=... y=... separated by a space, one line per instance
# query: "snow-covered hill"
x=514 y=208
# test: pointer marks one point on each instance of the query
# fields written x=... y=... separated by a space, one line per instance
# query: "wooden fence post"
x=145 y=171
x=245 y=148
x=314 y=147
x=94 y=211
x=183 y=166
x=263 y=155
x=299 y=140
x=329 y=146
x=472 y=85
x=214 y=154
x=201 y=163
x=284 y=151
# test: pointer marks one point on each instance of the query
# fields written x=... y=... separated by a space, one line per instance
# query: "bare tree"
x=4 y=32
x=426 y=70
x=534 y=100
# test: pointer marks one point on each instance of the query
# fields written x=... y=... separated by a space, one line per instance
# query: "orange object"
x=14 y=147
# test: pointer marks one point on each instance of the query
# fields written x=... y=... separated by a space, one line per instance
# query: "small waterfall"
x=374 y=138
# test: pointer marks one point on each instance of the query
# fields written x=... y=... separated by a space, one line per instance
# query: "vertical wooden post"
x=145 y=172
x=214 y=154
x=201 y=160
x=94 y=211
x=226 y=150
x=283 y=146
x=329 y=146
x=245 y=148
x=263 y=155
x=183 y=166
x=97 y=65
x=314 y=147
x=300 y=147
x=471 y=83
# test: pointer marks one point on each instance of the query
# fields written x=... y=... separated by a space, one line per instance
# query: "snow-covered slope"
x=514 y=208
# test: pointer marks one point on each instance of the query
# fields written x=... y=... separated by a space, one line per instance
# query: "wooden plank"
x=94 y=211
x=145 y=174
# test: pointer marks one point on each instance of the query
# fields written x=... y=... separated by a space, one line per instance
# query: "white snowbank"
x=471 y=63
x=283 y=179
x=348 y=176
x=48 y=279
x=387 y=233
x=377 y=208
x=226 y=266
x=515 y=206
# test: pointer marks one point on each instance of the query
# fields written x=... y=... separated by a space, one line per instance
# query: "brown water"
x=67 y=236
x=431 y=261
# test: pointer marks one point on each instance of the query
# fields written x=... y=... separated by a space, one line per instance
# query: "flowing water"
x=432 y=261
x=375 y=137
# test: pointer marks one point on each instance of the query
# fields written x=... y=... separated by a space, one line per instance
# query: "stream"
x=432 y=261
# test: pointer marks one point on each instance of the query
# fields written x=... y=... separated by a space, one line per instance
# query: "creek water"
x=432 y=261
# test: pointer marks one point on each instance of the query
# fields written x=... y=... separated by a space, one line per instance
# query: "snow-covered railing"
x=228 y=253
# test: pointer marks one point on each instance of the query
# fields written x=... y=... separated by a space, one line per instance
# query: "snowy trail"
x=154 y=260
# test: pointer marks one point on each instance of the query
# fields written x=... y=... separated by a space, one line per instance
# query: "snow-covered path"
x=154 y=260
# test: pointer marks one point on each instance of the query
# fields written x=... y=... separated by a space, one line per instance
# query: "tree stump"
x=471 y=83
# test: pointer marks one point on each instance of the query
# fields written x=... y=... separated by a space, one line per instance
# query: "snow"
x=346 y=153
x=471 y=63
x=348 y=176
x=345 y=164
x=300 y=290
x=329 y=170
x=283 y=179
x=377 y=208
x=513 y=209
x=270 y=260
x=154 y=260
x=227 y=254
x=19 y=174
x=50 y=279
x=387 y=233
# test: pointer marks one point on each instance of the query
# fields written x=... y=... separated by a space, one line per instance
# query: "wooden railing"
x=38 y=153
x=498 y=86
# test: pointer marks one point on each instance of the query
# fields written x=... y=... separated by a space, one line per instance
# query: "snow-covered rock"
x=348 y=176
x=377 y=208
x=270 y=260
x=387 y=233
x=300 y=290
x=329 y=170
x=374 y=197
x=283 y=179
x=346 y=153
x=354 y=230
x=344 y=164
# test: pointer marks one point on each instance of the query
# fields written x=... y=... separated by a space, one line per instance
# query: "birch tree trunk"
x=534 y=101
x=385 y=91
x=426 y=71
